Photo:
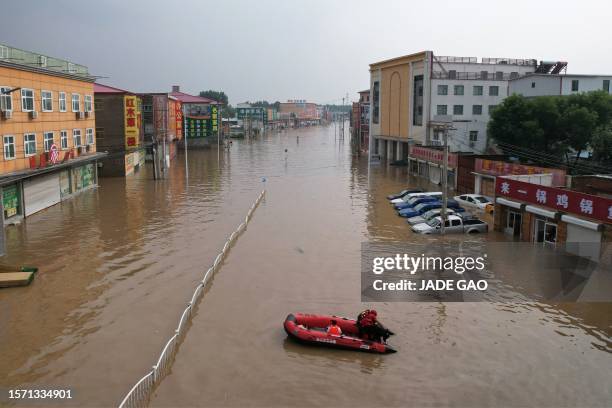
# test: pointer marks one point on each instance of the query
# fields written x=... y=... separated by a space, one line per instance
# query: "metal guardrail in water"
x=140 y=393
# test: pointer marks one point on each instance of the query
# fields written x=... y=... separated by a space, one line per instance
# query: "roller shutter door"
x=41 y=192
x=583 y=241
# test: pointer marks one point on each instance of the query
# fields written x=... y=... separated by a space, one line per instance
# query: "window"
x=499 y=75
x=376 y=102
x=29 y=144
x=574 y=85
x=62 y=101
x=27 y=100
x=606 y=85
x=492 y=108
x=441 y=109
x=484 y=74
x=477 y=110
x=417 y=101
x=47 y=140
x=88 y=107
x=9 y=147
x=76 y=102
x=452 y=74
x=4 y=52
x=478 y=90
x=89 y=136
x=494 y=90
x=76 y=137
x=6 y=100
x=42 y=61
x=457 y=109
x=459 y=89
x=64 y=139
x=47 y=101
x=514 y=75
x=473 y=135
x=533 y=84
x=436 y=136
x=442 y=89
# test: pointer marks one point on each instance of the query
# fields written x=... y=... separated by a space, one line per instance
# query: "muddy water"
x=119 y=263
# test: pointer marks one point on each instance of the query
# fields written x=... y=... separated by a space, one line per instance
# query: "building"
x=252 y=119
x=300 y=113
x=201 y=117
x=409 y=92
x=162 y=118
x=555 y=216
x=558 y=84
x=119 y=130
x=47 y=125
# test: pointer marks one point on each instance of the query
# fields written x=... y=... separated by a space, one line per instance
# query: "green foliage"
x=216 y=95
x=557 y=126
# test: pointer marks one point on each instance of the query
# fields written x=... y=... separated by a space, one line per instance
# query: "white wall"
x=535 y=85
x=585 y=83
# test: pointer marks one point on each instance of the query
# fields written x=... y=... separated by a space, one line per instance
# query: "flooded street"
x=118 y=264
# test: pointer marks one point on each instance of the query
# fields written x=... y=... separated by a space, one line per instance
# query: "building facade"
x=47 y=124
x=557 y=84
x=162 y=118
x=201 y=118
x=119 y=130
x=408 y=94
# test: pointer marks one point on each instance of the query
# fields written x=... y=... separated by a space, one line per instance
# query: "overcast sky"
x=317 y=50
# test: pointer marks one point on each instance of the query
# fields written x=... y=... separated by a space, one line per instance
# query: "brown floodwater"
x=119 y=263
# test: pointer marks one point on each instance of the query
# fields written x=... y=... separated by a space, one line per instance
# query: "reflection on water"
x=117 y=265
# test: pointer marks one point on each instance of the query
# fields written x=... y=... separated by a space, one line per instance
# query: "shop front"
x=551 y=216
x=429 y=163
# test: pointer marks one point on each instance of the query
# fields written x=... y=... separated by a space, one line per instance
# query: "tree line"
x=576 y=130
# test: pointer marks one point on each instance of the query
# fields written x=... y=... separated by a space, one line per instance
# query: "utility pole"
x=444 y=182
x=185 y=139
x=218 y=134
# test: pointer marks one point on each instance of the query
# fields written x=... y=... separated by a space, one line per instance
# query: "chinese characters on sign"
x=432 y=155
x=499 y=168
x=202 y=126
x=132 y=121
x=568 y=201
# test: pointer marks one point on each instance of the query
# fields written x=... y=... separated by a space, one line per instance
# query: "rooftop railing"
x=487 y=76
x=32 y=59
x=487 y=60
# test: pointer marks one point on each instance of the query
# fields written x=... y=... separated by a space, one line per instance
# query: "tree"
x=601 y=143
x=578 y=124
x=219 y=96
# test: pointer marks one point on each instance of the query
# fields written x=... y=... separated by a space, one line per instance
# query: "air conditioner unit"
x=80 y=115
x=33 y=114
x=7 y=114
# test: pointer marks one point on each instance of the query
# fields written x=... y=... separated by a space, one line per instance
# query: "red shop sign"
x=568 y=201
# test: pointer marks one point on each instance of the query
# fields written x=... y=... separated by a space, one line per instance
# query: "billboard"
x=499 y=168
x=203 y=126
x=132 y=121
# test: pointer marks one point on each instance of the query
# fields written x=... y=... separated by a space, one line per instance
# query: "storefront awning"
x=541 y=211
x=582 y=223
x=509 y=203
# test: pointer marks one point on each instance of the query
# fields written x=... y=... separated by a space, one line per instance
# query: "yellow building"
x=397 y=88
x=47 y=128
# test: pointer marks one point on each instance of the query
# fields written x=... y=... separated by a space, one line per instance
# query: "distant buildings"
x=300 y=113
x=201 y=117
x=47 y=125
x=360 y=121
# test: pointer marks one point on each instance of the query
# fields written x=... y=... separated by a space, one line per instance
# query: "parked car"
x=403 y=193
x=450 y=204
x=415 y=201
x=412 y=195
x=434 y=212
x=474 y=200
x=453 y=225
x=419 y=209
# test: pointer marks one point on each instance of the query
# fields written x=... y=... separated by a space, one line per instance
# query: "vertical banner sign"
x=131 y=121
x=179 y=118
x=160 y=116
x=214 y=119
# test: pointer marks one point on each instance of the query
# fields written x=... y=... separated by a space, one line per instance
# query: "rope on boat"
x=140 y=394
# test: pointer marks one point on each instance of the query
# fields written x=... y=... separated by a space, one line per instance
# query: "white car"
x=428 y=215
x=413 y=195
x=473 y=200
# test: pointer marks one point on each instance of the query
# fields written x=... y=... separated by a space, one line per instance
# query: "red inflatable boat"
x=312 y=329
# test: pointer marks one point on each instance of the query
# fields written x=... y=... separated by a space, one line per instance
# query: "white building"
x=468 y=89
x=556 y=84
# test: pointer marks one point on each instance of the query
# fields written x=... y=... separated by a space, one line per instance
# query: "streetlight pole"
x=444 y=182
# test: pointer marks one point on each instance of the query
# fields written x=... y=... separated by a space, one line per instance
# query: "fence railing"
x=140 y=393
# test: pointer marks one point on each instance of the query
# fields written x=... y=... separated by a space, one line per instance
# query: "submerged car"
x=415 y=201
x=412 y=195
x=403 y=193
x=428 y=215
x=453 y=224
x=474 y=200
x=430 y=205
